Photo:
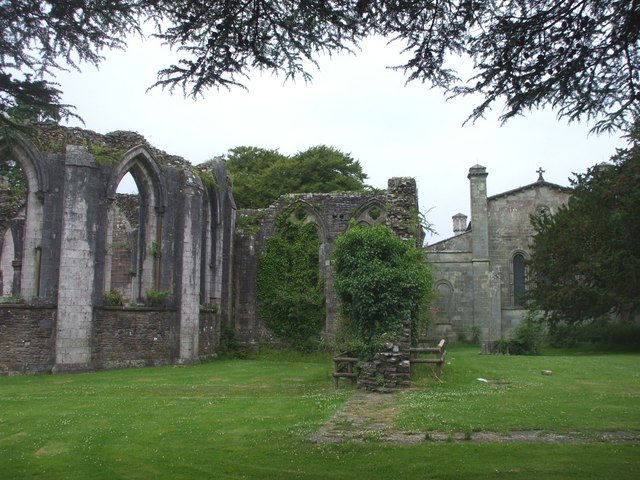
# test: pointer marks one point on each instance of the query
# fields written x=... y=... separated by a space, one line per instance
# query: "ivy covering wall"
x=291 y=298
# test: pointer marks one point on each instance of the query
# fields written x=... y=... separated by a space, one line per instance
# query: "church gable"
x=510 y=214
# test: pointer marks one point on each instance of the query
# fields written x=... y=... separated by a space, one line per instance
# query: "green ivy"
x=249 y=224
x=290 y=292
x=382 y=282
x=208 y=179
x=105 y=155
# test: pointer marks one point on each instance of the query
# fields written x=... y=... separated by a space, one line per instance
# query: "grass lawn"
x=253 y=419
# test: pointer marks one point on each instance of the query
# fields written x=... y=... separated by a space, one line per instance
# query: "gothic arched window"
x=519 y=279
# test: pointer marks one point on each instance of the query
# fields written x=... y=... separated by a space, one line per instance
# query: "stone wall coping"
x=26 y=306
x=135 y=309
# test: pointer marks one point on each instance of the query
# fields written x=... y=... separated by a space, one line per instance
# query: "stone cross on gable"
x=540 y=171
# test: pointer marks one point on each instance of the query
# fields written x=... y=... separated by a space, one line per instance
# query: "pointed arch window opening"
x=519 y=279
x=21 y=231
x=210 y=268
x=133 y=250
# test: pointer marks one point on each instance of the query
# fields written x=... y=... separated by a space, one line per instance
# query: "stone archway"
x=146 y=244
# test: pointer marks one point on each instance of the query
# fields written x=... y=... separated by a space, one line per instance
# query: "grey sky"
x=354 y=104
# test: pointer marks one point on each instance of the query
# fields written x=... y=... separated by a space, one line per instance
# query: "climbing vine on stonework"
x=383 y=283
x=291 y=298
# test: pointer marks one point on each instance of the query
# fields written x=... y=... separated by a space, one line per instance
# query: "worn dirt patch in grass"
x=370 y=417
x=52 y=449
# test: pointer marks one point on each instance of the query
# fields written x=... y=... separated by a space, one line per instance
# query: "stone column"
x=403 y=214
x=17 y=233
x=390 y=368
x=190 y=273
x=77 y=262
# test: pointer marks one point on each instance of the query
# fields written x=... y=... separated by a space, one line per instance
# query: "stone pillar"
x=480 y=254
x=390 y=368
x=190 y=273
x=17 y=233
x=403 y=215
x=77 y=262
x=332 y=304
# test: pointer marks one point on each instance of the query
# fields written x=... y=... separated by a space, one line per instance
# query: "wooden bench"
x=439 y=351
x=343 y=368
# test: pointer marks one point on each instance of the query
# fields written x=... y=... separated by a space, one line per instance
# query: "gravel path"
x=367 y=417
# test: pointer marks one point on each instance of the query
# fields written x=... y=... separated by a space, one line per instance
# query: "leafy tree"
x=246 y=167
x=14 y=184
x=290 y=291
x=586 y=257
x=382 y=282
x=326 y=169
x=579 y=56
x=260 y=176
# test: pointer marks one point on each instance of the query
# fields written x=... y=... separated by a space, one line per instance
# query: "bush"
x=113 y=298
x=155 y=298
x=602 y=331
x=381 y=281
x=526 y=338
x=230 y=347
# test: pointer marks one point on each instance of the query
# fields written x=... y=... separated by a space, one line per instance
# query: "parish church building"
x=480 y=272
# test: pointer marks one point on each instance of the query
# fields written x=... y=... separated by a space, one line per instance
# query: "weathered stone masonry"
x=64 y=257
x=332 y=213
x=171 y=253
x=480 y=272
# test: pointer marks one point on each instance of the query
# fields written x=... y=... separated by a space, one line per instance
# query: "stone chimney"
x=459 y=223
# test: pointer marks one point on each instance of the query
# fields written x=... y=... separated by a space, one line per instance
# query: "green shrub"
x=113 y=298
x=603 y=331
x=156 y=298
x=526 y=338
x=381 y=281
x=230 y=347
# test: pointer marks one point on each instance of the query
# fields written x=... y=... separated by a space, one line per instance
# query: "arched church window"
x=519 y=279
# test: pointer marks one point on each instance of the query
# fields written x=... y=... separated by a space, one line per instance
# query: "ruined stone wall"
x=27 y=339
x=133 y=337
x=390 y=368
x=172 y=246
x=79 y=239
x=396 y=207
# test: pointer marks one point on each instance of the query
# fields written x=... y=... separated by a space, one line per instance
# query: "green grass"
x=585 y=393
x=253 y=418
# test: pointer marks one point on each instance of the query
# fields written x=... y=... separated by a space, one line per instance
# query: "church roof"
x=537 y=184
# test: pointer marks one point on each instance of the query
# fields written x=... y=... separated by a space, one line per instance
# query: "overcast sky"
x=354 y=104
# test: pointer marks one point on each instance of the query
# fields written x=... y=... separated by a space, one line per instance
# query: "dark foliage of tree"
x=579 y=56
x=38 y=38
x=260 y=176
x=586 y=257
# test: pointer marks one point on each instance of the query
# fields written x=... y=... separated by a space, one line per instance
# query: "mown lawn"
x=253 y=419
